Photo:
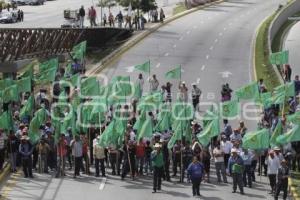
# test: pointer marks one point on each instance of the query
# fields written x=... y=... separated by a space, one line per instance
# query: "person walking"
x=218 y=154
x=26 y=149
x=196 y=94
x=161 y=15
x=187 y=158
x=61 y=152
x=287 y=73
x=235 y=166
x=12 y=150
x=81 y=17
x=104 y=19
x=92 y=16
x=111 y=20
x=195 y=172
x=43 y=150
x=77 y=146
x=283 y=174
x=247 y=175
x=140 y=83
x=273 y=166
x=120 y=19
x=140 y=157
x=158 y=164
x=183 y=92
x=99 y=156
x=153 y=83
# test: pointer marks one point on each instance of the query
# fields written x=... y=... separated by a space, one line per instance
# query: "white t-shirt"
x=226 y=147
x=273 y=165
x=219 y=158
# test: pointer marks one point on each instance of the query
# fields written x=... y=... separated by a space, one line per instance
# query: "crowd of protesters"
x=192 y=161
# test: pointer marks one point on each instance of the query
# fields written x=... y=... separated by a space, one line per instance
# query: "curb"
x=5 y=173
x=293 y=190
x=109 y=59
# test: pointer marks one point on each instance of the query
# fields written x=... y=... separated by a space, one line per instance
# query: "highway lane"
x=292 y=43
x=206 y=43
x=50 y=14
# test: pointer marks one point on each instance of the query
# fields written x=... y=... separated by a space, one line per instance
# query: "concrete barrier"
x=282 y=16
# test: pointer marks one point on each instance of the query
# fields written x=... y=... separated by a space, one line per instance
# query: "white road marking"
x=181 y=38
x=102 y=184
x=129 y=69
x=174 y=46
x=188 y=32
x=158 y=65
x=203 y=67
x=198 y=80
x=207 y=57
x=211 y=48
x=225 y=74
x=167 y=54
x=216 y=40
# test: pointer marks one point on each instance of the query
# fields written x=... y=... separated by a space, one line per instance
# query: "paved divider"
x=287 y=11
x=139 y=37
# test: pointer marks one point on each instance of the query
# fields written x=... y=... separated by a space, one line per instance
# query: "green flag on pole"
x=294 y=118
x=49 y=64
x=293 y=135
x=279 y=58
x=147 y=129
x=24 y=84
x=34 y=132
x=79 y=50
x=248 y=92
x=229 y=109
x=27 y=109
x=11 y=94
x=277 y=132
x=257 y=140
x=174 y=73
x=210 y=131
x=46 y=76
x=145 y=67
x=6 y=122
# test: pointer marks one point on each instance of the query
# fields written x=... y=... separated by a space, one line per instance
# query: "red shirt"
x=140 y=150
x=62 y=148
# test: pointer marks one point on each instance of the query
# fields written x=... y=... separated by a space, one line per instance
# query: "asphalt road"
x=214 y=47
x=292 y=43
x=50 y=14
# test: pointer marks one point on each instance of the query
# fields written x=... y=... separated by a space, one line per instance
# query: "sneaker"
x=233 y=191
x=154 y=191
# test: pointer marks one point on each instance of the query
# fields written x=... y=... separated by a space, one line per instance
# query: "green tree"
x=147 y=5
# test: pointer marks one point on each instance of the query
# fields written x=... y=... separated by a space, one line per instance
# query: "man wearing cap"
x=235 y=167
x=99 y=156
x=273 y=166
x=157 y=163
x=183 y=92
x=25 y=150
x=196 y=93
x=283 y=174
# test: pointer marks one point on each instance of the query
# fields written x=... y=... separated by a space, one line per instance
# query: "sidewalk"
x=292 y=43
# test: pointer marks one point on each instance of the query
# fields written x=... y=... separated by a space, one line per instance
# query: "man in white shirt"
x=226 y=146
x=153 y=83
x=273 y=163
x=218 y=154
x=140 y=82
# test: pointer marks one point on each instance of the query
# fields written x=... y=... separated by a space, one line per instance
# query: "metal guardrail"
x=18 y=44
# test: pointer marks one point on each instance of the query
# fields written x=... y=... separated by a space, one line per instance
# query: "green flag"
x=6 y=122
x=265 y=99
x=210 y=131
x=277 y=132
x=145 y=67
x=229 y=109
x=288 y=89
x=293 y=135
x=257 y=140
x=90 y=87
x=279 y=58
x=41 y=115
x=34 y=132
x=27 y=109
x=10 y=94
x=210 y=115
x=79 y=51
x=174 y=73
x=29 y=71
x=24 y=84
x=164 y=121
x=47 y=76
x=147 y=129
x=294 y=118
x=6 y=83
x=49 y=64
x=177 y=135
x=248 y=92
